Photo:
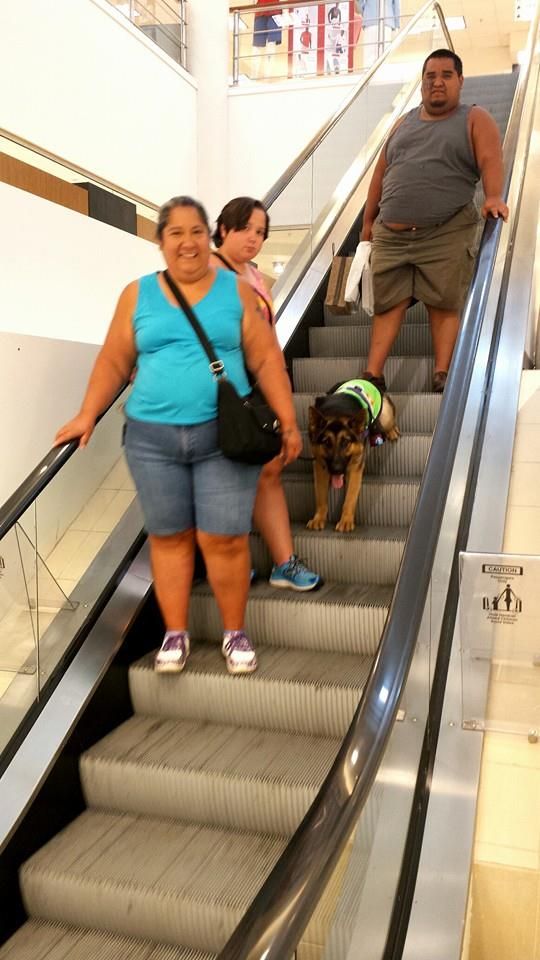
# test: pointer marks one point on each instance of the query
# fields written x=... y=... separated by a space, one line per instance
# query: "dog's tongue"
x=337 y=481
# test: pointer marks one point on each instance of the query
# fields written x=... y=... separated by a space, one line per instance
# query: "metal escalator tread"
x=415 y=314
x=158 y=879
x=237 y=777
x=316 y=374
x=339 y=618
x=298 y=691
x=383 y=501
x=369 y=554
x=41 y=940
x=406 y=458
x=350 y=340
x=415 y=412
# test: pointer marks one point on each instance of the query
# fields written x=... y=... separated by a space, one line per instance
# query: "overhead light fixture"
x=278 y=267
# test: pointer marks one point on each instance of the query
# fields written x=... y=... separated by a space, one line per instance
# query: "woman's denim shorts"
x=184 y=481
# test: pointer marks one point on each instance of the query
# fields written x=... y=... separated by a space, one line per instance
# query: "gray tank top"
x=431 y=171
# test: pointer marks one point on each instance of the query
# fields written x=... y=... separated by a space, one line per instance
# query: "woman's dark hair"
x=235 y=216
x=445 y=55
x=166 y=209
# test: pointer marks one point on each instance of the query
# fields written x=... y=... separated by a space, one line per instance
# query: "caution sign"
x=500 y=605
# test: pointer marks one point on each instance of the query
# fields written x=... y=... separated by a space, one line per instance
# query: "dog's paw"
x=316 y=523
x=345 y=524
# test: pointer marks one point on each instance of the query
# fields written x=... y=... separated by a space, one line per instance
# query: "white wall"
x=208 y=61
x=271 y=124
x=60 y=272
x=60 y=276
x=78 y=79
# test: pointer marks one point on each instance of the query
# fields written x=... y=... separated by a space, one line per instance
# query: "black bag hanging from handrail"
x=248 y=429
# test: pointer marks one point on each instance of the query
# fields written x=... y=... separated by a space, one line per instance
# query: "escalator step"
x=383 y=501
x=297 y=691
x=415 y=412
x=144 y=877
x=350 y=341
x=39 y=940
x=403 y=374
x=415 y=314
x=366 y=555
x=404 y=458
x=235 y=777
x=339 y=618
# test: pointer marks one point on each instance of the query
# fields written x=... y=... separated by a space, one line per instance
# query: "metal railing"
x=162 y=21
x=308 y=151
x=42 y=159
x=305 y=40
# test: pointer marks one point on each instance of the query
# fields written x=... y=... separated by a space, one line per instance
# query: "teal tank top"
x=173 y=383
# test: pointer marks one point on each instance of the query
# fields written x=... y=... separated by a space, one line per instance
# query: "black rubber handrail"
x=279 y=914
x=40 y=477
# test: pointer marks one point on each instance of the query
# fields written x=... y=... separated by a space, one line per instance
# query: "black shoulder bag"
x=248 y=429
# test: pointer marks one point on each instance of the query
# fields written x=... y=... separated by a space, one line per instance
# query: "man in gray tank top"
x=421 y=216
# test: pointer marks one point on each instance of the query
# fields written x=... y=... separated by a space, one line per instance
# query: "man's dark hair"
x=167 y=208
x=235 y=216
x=445 y=55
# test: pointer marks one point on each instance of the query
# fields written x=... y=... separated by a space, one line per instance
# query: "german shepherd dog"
x=339 y=428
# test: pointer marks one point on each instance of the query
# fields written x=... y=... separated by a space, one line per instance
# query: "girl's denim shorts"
x=183 y=480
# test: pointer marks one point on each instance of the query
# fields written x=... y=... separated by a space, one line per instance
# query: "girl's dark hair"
x=166 y=209
x=235 y=216
x=445 y=55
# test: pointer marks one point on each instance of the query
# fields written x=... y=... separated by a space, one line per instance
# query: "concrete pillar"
x=208 y=63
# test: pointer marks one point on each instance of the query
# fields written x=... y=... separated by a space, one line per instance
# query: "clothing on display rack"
x=370 y=13
x=265 y=29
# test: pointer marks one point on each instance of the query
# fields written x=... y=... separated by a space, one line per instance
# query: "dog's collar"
x=367 y=395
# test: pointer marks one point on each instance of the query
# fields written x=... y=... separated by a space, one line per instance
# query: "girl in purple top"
x=242 y=228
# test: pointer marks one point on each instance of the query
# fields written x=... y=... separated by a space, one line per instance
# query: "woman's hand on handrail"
x=80 y=428
x=113 y=367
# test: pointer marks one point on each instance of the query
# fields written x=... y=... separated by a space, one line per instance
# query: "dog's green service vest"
x=366 y=393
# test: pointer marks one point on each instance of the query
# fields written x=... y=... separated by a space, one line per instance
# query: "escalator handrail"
x=279 y=914
x=27 y=492
x=81 y=172
x=279 y=186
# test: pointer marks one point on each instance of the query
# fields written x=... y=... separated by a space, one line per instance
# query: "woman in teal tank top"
x=189 y=492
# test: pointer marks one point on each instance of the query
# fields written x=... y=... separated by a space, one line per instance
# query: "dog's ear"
x=316 y=421
x=358 y=422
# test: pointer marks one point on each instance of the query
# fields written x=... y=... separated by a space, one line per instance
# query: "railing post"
x=183 y=38
x=236 y=48
x=380 y=30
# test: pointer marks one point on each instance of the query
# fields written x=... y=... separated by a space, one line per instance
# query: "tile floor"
x=68 y=561
x=504 y=921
